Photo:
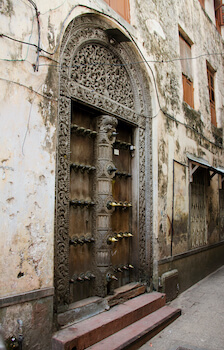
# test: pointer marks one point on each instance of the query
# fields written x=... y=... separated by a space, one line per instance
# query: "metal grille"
x=221 y=213
x=198 y=210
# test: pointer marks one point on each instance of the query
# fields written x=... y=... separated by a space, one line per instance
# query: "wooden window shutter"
x=122 y=7
x=219 y=14
x=202 y=2
x=211 y=89
x=185 y=55
x=186 y=66
x=188 y=91
x=217 y=4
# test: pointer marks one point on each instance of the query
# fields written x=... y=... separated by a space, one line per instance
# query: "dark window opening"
x=211 y=89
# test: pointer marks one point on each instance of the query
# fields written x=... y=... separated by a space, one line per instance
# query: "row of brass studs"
x=122 y=174
x=110 y=277
x=89 y=168
x=123 y=268
x=123 y=145
x=82 y=167
x=83 y=131
x=119 y=269
x=82 y=277
x=81 y=240
x=81 y=203
x=89 y=276
x=118 y=236
x=111 y=169
x=123 y=205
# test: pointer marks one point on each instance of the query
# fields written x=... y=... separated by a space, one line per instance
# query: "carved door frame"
x=124 y=99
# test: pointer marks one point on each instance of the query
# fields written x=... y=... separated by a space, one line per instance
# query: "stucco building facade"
x=111 y=160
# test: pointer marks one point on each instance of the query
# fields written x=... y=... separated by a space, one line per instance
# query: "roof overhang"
x=115 y=33
x=195 y=162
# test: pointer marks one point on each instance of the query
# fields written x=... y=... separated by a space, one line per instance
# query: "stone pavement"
x=201 y=325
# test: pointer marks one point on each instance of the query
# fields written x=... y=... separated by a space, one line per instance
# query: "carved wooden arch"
x=87 y=59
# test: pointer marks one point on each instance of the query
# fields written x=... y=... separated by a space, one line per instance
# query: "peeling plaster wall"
x=28 y=117
x=27 y=174
x=27 y=185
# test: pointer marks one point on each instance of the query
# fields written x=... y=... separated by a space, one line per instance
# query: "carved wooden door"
x=100 y=218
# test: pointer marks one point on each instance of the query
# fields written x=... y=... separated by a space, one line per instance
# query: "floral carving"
x=97 y=68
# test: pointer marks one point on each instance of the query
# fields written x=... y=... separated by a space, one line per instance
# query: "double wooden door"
x=100 y=155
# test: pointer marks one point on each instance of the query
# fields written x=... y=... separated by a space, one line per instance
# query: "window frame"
x=211 y=91
x=202 y=2
x=188 y=90
x=123 y=10
x=219 y=14
x=186 y=67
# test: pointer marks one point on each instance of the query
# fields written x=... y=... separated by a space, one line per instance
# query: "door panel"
x=122 y=216
x=82 y=173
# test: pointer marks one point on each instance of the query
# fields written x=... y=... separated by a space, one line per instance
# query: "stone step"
x=88 y=332
x=86 y=308
x=135 y=335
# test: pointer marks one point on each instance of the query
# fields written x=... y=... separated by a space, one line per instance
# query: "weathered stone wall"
x=37 y=318
x=193 y=266
x=28 y=133
x=181 y=129
x=27 y=171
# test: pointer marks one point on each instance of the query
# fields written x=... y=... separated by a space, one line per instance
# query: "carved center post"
x=105 y=172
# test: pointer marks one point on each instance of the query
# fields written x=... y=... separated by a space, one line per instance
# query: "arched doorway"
x=104 y=179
